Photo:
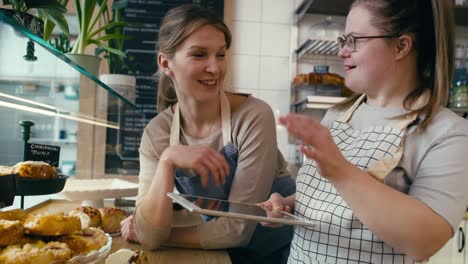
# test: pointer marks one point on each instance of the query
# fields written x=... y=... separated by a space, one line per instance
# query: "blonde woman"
x=206 y=142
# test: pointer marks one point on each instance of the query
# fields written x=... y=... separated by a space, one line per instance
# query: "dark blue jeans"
x=268 y=244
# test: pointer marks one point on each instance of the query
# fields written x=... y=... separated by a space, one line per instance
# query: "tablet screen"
x=221 y=208
x=223 y=205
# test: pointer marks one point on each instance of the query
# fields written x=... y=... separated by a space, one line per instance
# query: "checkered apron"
x=339 y=236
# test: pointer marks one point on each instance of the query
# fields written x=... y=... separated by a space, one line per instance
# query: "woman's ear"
x=403 y=46
x=164 y=64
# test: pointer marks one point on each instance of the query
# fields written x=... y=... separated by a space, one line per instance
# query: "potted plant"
x=121 y=67
x=90 y=33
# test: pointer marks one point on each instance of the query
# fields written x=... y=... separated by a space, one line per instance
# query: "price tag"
x=46 y=153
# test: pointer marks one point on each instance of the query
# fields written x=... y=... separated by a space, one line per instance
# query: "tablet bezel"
x=191 y=207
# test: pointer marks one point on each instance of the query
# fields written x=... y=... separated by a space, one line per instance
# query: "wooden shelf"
x=341 y=8
x=317 y=102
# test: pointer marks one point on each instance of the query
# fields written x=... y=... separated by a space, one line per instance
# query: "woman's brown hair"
x=431 y=23
x=176 y=26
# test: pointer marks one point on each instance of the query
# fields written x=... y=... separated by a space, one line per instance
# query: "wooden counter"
x=163 y=255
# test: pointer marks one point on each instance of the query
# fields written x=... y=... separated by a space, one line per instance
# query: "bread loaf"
x=111 y=218
x=35 y=170
x=89 y=216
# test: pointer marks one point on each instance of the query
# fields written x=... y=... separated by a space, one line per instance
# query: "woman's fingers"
x=213 y=170
x=219 y=164
x=309 y=151
x=301 y=126
x=276 y=201
x=223 y=165
x=128 y=228
x=200 y=169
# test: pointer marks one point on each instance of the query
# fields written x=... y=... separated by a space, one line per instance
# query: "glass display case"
x=70 y=107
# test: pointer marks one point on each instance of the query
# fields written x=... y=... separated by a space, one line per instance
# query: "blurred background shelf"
x=341 y=8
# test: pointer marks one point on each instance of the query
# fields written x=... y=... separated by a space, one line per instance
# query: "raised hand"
x=318 y=144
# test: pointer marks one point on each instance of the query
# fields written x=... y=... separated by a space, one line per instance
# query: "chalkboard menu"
x=40 y=152
x=145 y=18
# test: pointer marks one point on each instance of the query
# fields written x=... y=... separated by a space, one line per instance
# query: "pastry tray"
x=95 y=189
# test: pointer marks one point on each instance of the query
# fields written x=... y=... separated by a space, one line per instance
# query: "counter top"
x=163 y=255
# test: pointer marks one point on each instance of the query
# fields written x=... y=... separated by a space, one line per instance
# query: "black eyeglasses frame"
x=341 y=40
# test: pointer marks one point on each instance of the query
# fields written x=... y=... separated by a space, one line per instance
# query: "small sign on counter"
x=40 y=152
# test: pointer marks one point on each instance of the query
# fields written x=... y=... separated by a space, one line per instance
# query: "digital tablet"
x=223 y=208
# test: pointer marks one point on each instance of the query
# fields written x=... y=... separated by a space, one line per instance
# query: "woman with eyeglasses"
x=386 y=176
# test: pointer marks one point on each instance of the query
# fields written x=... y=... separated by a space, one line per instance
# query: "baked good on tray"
x=35 y=170
x=56 y=224
x=125 y=256
x=87 y=240
x=49 y=237
x=36 y=253
x=15 y=214
x=111 y=218
x=89 y=216
x=11 y=232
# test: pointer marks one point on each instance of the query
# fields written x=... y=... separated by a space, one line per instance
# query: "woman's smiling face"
x=365 y=68
x=198 y=66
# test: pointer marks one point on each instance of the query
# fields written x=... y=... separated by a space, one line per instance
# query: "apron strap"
x=225 y=122
x=402 y=123
x=225 y=118
x=175 y=127
x=382 y=168
x=406 y=121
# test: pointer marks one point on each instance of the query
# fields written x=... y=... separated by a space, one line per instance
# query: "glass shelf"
x=6 y=20
x=96 y=128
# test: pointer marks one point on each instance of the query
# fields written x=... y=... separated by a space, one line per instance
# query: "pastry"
x=35 y=170
x=111 y=218
x=56 y=224
x=127 y=256
x=11 y=232
x=5 y=170
x=36 y=253
x=15 y=214
x=86 y=241
x=89 y=216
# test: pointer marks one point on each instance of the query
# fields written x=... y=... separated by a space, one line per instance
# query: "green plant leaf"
x=107 y=27
x=78 y=12
x=107 y=48
x=51 y=5
x=52 y=18
x=102 y=8
x=111 y=36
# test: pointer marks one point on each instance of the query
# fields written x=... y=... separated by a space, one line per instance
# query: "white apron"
x=339 y=237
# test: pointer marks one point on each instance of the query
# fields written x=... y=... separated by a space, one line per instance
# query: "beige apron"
x=339 y=236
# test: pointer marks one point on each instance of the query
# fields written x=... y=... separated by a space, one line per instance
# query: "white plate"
x=95 y=189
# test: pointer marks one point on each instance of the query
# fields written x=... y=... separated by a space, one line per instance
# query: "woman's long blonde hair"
x=431 y=22
x=176 y=26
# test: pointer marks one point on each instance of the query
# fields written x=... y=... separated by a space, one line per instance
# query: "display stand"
x=26 y=131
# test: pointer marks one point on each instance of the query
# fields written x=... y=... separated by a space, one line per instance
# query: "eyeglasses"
x=349 y=41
